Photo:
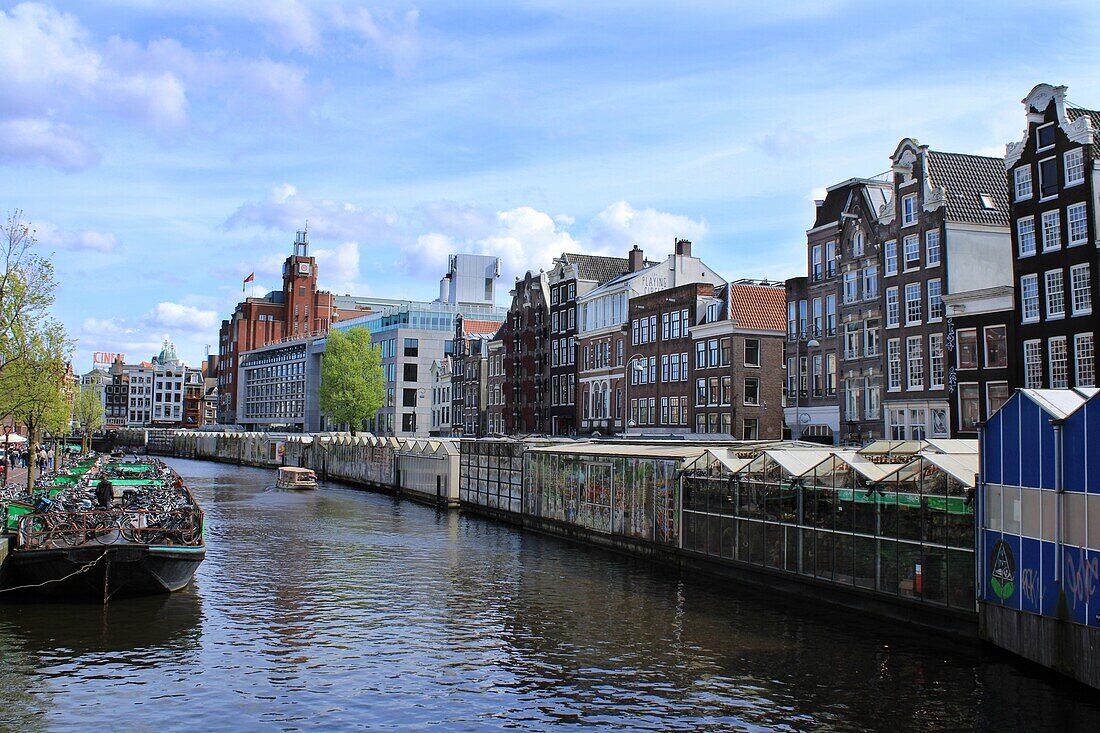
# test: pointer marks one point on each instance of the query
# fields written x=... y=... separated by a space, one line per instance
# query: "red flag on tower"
x=250 y=278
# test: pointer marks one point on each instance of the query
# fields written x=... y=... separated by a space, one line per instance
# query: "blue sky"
x=166 y=150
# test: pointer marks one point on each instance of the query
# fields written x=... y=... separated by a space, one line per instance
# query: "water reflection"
x=342 y=610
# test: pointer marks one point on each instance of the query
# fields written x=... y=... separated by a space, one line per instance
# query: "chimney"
x=637 y=259
x=683 y=247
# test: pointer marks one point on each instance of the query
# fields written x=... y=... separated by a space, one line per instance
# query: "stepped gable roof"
x=966 y=179
x=597 y=267
x=759 y=307
x=1075 y=113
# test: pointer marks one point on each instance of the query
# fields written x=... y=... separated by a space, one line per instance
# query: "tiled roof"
x=1073 y=113
x=471 y=327
x=966 y=178
x=596 y=267
x=759 y=307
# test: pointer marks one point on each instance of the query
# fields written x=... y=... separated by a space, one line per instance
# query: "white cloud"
x=394 y=38
x=37 y=140
x=284 y=210
x=178 y=317
x=620 y=226
x=52 y=236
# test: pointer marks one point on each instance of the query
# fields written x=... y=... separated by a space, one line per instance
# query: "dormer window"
x=1044 y=136
x=909 y=210
x=987 y=201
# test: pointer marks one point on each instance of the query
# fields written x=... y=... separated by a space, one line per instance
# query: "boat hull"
x=296 y=485
x=109 y=571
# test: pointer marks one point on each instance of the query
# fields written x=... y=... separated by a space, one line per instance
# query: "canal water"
x=344 y=610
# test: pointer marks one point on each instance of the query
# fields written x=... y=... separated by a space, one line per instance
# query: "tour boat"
x=296 y=478
x=62 y=545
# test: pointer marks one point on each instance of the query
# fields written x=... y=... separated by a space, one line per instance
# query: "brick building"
x=470 y=375
x=525 y=336
x=1054 y=179
x=736 y=351
x=495 y=384
x=571 y=276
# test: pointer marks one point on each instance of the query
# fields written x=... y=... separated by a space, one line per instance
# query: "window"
x=891 y=307
x=408 y=398
x=969 y=407
x=665 y=326
x=914 y=362
x=968 y=348
x=851 y=286
x=996 y=347
x=815 y=262
x=857 y=243
x=830 y=374
x=700 y=354
x=996 y=394
x=932 y=247
x=750 y=429
x=1044 y=136
x=817 y=381
x=1052 y=230
x=752 y=391
x=830 y=259
x=870 y=337
x=1056 y=298
x=817 y=316
x=752 y=352
x=935 y=301
x=1075 y=167
x=1029 y=298
x=1059 y=364
x=1033 y=364
x=912 y=304
x=891 y=257
x=870 y=283
x=1048 y=178
x=830 y=315
x=1025 y=236
x=409 y=372
x=1022 y=177
x=712 y=353
x=792 y=321
x=851 y=340
x=412 y=347
x=726 y=351
x=935 y=361
x=1084 y=360
x=851 y=399
x=1076 y=218
x=1081 y=286
x=893 y=364
x=909 y=209
x=912 y=252
x=790 y=377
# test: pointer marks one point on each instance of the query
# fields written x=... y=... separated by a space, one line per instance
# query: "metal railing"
x=59 y=530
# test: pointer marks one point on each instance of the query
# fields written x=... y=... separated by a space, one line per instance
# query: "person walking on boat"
x=104 y=493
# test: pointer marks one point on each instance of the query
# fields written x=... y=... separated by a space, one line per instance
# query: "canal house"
x=1039 y=560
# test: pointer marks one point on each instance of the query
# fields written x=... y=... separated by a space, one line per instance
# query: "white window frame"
x=895 y=320
x=935 y=300
x=935 y=361
x=870 y=282
x=1055 y=306
x=1033 y=364
x=1045 y=147
x=1079 y=164
x=1085 y=307
x=1025 y=228
x=1082 y=355
x=1029 y=304
x=1052 y=230
x=1019 y=182
x=910 y=264
x=914 y=363
x=913 y=305
x=1072 y=220
x=909 y=214
x=890 y=252
x=930 y=237
x=893 y=365
x=1059 y=367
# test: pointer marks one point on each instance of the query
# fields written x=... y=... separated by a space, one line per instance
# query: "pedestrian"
x=104 y=493
x=49 y=458
x=41 y=460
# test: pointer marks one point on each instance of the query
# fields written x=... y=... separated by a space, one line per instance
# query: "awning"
x=817 y=431
x=798 y=461
x=14 y=438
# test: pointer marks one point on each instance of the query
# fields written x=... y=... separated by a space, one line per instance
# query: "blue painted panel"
x=1090 y=415
x=1073 y=441
x=1010 y=437
x=1001 y=581
x=1028 y=575
x=1094 y=597
x=1047 y=441
x=1031 y=439
x=1050 y=587
x=991 y=451
x=1080 y=576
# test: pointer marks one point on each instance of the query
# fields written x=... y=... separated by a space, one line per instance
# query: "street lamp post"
x=632 y=363
x=812 y=343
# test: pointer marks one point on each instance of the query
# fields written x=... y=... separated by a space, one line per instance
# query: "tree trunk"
x=32 y=459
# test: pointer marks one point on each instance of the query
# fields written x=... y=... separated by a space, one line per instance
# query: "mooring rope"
x=84 y=569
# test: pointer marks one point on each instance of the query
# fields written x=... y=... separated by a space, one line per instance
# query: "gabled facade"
x=469 y=378
x=1054 y=180
x=526 y=363
x=572 y=276
x=442 y=403
x=945 y=226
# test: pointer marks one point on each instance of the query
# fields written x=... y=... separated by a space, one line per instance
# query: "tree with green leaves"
x=38 y=392
x=352 y=384
x=27 y=292
x=88 y=412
